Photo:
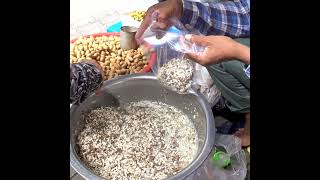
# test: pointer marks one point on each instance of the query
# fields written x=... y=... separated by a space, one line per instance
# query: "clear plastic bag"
x=170 y=45
x=237 y=169
x=205 y=85
x=172 y=67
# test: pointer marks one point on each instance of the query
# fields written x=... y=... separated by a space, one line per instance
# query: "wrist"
x=242 y=53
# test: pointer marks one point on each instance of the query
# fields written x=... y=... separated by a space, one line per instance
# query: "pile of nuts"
x=145 y=140
x=176 y=75
x=107 y=52
x=138 y=15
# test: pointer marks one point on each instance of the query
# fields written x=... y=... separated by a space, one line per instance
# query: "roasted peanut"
x=112 y=60
x=107 y=52
x=122 y=71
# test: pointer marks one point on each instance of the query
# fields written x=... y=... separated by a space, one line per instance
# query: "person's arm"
x=242 y=53
x=218 y=49
x=228 y=18
x=85 y=78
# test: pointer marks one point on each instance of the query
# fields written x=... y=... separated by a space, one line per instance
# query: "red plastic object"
x=152 y=55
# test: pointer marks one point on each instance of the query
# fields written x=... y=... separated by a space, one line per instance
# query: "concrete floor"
x=93 y=16
x=80 y=9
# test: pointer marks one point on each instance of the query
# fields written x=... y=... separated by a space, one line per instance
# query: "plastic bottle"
x=221 y=159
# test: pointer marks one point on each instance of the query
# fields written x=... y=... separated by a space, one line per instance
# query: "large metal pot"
x=145 y=87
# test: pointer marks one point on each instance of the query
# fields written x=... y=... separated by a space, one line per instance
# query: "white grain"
x=150 y=140
x=176 y=75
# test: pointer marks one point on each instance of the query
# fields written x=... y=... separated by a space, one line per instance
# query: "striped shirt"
x=228 y=18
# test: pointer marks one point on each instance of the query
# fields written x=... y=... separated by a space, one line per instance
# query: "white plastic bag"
x=205 y=85
x=236 y=171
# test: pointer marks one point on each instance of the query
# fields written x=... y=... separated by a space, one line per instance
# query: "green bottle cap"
x=221 y=159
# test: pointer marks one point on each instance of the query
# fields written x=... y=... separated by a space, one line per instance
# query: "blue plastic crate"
x=115 y=27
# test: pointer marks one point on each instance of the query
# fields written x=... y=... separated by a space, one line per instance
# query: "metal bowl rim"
x=86 y=173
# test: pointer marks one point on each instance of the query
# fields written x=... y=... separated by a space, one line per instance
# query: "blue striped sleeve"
x=229 y=18
x=247 y=70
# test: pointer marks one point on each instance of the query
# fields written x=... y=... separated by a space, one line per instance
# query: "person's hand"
x=218 y=49
x=166 y=10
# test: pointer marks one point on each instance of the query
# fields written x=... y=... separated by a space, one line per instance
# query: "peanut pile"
x=107 y=52
x=138 y=15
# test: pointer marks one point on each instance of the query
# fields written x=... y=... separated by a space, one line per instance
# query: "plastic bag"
x=171 y=45
x=172 y=68
x=205 y=85
x=237 y=169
